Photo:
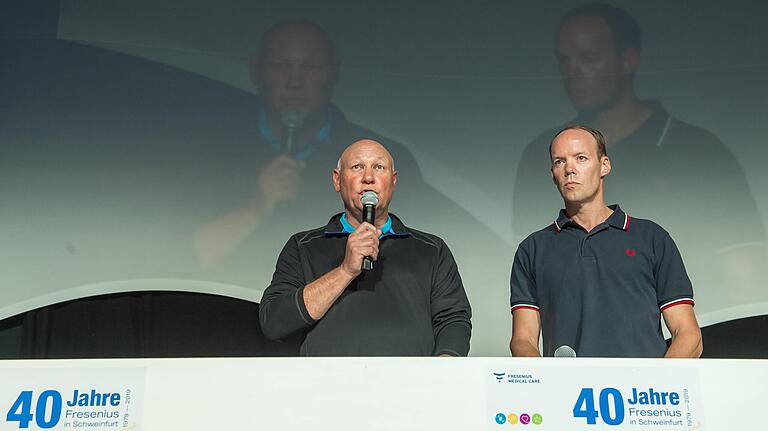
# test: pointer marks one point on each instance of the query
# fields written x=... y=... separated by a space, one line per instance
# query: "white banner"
x=593 y=398
x=53 y=398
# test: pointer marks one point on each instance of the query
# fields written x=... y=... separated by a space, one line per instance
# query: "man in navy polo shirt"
x=596 y=279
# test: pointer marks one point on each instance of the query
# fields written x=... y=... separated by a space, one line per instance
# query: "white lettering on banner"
x=97 y=398
x=570 y=397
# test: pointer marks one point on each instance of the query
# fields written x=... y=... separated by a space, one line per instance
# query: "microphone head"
x=370 y=198
x=292 y=119
x=565 y=351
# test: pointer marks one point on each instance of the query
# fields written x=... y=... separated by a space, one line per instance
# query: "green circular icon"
x=536 y=418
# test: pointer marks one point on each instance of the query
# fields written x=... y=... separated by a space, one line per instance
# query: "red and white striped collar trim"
x=626 y=221
x=618 y=218
x=674 y=302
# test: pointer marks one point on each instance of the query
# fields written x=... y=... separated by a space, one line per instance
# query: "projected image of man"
x=596 y=279
x=275 y=180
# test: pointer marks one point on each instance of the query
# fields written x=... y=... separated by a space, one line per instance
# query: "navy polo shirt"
x=601 y=292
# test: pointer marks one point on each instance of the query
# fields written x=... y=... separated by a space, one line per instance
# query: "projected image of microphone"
x=291 y=122
x=369 y=201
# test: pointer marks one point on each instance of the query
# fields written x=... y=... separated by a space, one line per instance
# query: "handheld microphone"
x=292 y=122
x=565 y=351
x=369 y=201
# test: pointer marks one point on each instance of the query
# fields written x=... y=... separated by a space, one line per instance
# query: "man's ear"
x=630 y=61
x=605 y=166
x=336 y=175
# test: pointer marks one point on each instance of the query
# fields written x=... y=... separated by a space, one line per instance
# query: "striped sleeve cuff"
x=524 y=306
x=678 y=301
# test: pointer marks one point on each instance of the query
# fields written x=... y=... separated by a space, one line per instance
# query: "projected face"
x=577 y=170
x=295 y=71
x=589 y=64
x=365 y=166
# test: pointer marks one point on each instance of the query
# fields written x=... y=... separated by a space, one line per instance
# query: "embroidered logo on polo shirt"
x=630 y=252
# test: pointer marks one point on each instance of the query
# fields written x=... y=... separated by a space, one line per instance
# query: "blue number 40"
x=585 y=406
x=21 y=410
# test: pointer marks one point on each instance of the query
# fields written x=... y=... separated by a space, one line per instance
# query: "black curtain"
x=143 y=324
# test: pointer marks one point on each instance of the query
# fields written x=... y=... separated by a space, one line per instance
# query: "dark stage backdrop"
x=130 y=141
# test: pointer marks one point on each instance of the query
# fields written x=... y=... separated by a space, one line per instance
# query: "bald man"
x=411 y=304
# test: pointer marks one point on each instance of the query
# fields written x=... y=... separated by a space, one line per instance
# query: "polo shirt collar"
x=652 y=132
x=561 y=220
x=338 y=225
x=619 y=219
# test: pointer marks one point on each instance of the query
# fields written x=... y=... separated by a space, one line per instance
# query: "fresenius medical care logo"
x=518 y=419
x=519 y=377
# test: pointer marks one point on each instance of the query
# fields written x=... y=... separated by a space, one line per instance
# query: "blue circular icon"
x=501 y=418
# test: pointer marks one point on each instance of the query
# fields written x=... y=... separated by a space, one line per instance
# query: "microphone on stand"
x=292 y=122
x=565 y=351
x=369 y=201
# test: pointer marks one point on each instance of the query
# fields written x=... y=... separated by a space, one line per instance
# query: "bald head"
x=365 y=145
x=365 y=166
x=298 y=31
x=597 y=136
x=296 y=68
